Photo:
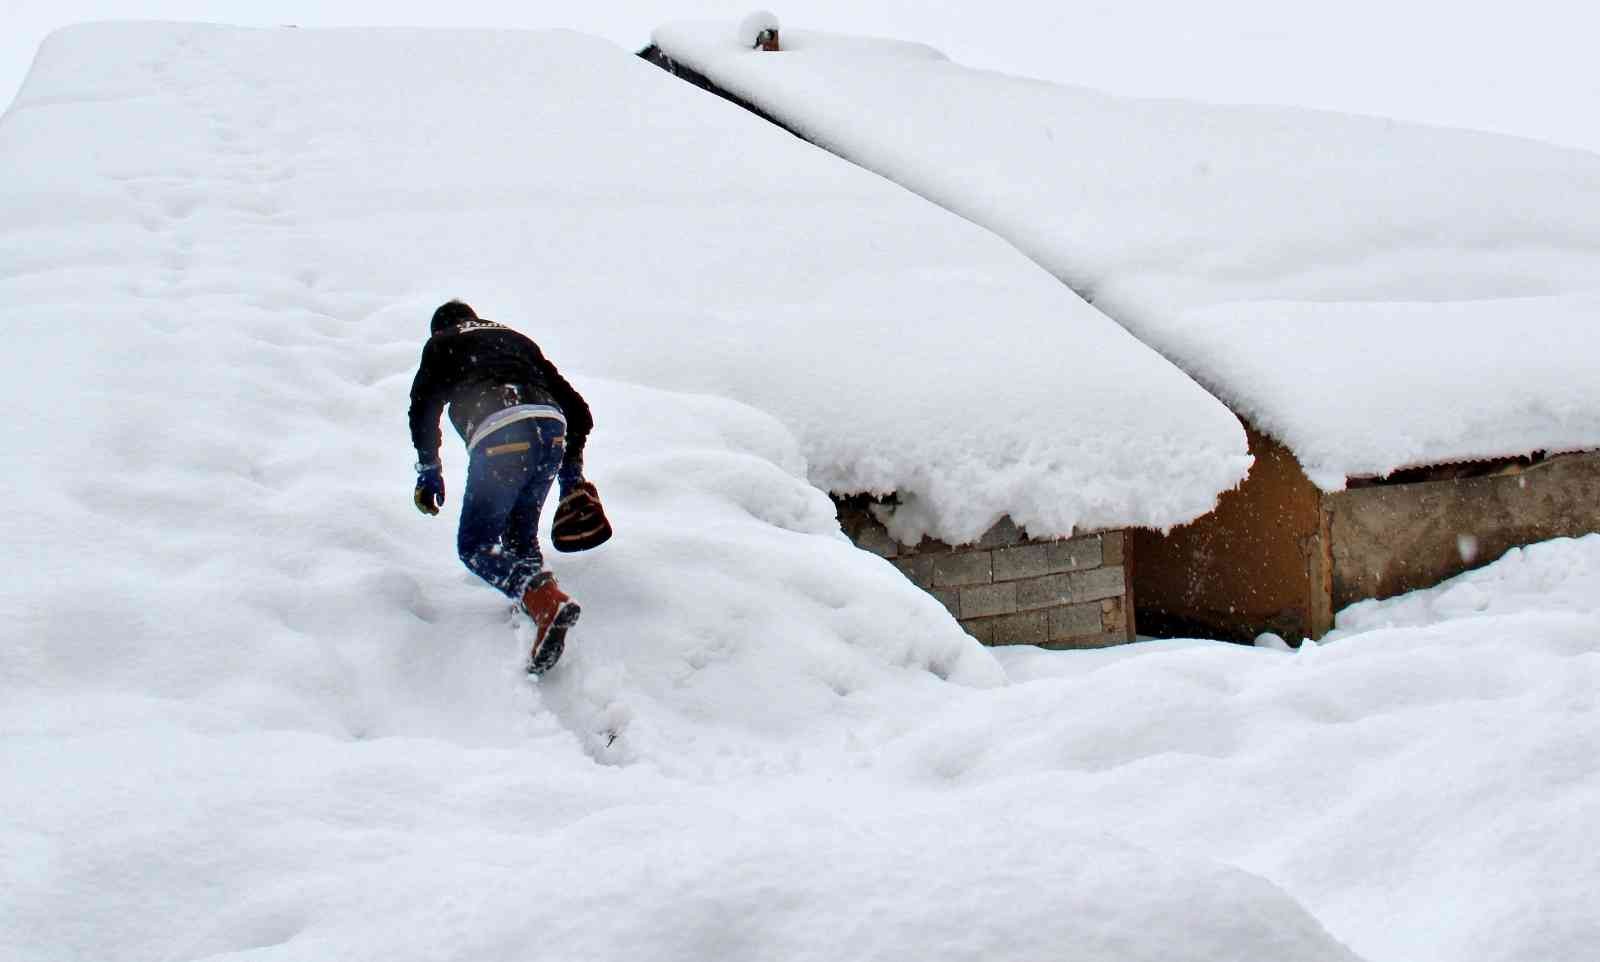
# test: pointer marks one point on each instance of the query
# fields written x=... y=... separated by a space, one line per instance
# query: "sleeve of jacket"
x=428 y=397
x=579 y=420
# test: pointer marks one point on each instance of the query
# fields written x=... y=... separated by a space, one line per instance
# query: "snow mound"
x=1551 y=578
x=1375 y=295
x=754 y=24
x=1422 y=780
x=211 y=342
x=415 y=850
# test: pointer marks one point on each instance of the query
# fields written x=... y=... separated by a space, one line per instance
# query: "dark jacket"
x=470 y=367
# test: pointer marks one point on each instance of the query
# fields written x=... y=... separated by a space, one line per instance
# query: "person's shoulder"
x=504 y=332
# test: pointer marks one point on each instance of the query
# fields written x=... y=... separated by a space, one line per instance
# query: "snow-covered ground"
x=1373 y=294
x=252 y=707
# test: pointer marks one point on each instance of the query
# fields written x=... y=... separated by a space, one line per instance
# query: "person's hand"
x=429 y=495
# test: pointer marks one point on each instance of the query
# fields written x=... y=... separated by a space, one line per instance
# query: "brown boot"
x=552 y=613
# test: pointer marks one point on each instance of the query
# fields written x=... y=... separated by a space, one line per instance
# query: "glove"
x=580 y=523
x=429 y=495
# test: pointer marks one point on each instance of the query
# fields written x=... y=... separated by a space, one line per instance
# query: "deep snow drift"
x=1373 y=294
x=253 y=708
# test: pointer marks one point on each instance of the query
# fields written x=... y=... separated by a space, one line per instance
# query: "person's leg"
x=521 y=536
x=553 y=613
x=500 y=469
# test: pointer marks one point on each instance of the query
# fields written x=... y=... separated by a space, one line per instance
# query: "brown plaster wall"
x=1259 y=562
x=1390 y=539
x=1280 y=555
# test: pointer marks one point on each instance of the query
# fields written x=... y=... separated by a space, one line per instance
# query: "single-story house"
x=1401 y=315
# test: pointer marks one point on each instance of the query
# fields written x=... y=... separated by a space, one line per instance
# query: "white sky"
x=1524 y=68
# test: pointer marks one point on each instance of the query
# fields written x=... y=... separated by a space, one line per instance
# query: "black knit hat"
x=449 y=314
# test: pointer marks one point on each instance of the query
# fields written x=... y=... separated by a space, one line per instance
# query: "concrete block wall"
x=1009 y=589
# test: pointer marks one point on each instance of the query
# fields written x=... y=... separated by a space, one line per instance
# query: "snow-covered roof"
x=643 y=231
x=1376 y=295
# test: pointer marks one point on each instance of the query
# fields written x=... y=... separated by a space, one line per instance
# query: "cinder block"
x=1046 y=558
x=924 y=546
x=1025 y=628
x=1109 y=582
x=1112 y=547
x=918 y=568
x=1046 y=592
x=1111 y=618
x=1004 y=532
x=873 y=538
x=1103 y=640
x=1076 y=554
x=982 y=629
x=981 y=601
x=1075 y=621
x=950 y=598
x=1021 y=561
x=963 y=568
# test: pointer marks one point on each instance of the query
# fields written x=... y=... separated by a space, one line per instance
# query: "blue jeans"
x=508 y=477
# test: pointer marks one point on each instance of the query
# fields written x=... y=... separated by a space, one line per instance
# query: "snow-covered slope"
x=251 y=706
x=1376 y=295
x=640 y=232
x=252 y=699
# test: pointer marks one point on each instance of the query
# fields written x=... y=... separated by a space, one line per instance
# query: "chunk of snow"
x=1272 y=641
x=754 y=25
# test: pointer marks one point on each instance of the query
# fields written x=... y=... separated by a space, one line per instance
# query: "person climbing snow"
x=524 y=427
